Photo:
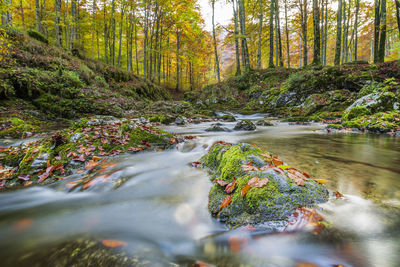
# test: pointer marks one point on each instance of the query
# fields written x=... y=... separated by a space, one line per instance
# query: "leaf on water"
x=225 y=202
x=305 y=219
x=43 y=177
x=113 y=243
x=276 y=161
x=230 y=187
x=244 y=190
x=237 y=243
x=23 y=224
x=338 y=194
x=200 y=264
x=220 y=182
x=196 y=163
x=321 y=181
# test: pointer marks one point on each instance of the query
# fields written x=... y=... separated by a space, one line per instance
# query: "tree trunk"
x=317 y=36
x=38 y=17
x=398 y=16
x=338 y=34
x=326 y=32
x=235 y=17
x=93 y=25
x=177 y=60
x=136 y=50
x=376 y=29
x=305 y=48
x=23 y=16
x=105 y=35
x=121 y=24
x=278 y=34
x=215 y=43
x=259 y=35
x=271 y=35
x=382 y=38
x=287 y=35
x=113 y=32
x=245 y=51
x=356 y=30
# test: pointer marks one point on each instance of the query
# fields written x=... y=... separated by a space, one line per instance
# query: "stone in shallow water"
x=217 y=127
x=244 y=125
x=273 y=202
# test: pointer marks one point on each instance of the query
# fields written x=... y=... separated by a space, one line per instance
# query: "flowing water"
x=156 y=203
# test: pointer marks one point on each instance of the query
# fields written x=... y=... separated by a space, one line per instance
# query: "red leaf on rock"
x=248 y=168
x=262 y=183
x=230 y=187
x=24 y=177
x=196 y=163
x=220 y=182
x=244 y=190
x=296 y=179
x=276 y=161
x=253 y=181
x=305 y=219
x=80 y=158
x=225 y=202
x=338 y=194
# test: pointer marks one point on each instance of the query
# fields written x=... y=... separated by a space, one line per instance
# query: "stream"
x=156 y=203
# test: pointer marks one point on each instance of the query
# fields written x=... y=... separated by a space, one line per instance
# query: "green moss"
x=355 y=113
x=334 y=126
x=38 y=36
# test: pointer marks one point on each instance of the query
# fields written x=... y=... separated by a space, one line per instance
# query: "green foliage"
x=38 y=36
x=355 y=113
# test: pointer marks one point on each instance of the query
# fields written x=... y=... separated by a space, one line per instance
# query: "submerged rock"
x=179 y=121
x=275 y=199
x=244 y=125
x=228 y=117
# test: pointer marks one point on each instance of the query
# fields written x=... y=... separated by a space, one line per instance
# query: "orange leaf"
x=262 y=183
x=276 y=161
x=244 y=190
x=338 y=194
x=220 y=182
x=296 y=179
x=236 y=243
x=225 y=202
x=23 y=224
x=253 y=181
x=113 y=243
x=28 y=183
x=321 y=181
x=248 y=168
x=230 y=187
x=96 y=158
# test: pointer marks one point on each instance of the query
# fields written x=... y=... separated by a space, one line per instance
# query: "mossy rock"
x=17 y=128
x=244 y=125
x=228 y=117
x=334 y=126
x=275 y=201
x=355 y=113
x=264 y=123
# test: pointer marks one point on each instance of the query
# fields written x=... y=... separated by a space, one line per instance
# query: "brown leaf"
x=305 y=219
x=220 y=182
x=321 y=181
x=262 y=183
x=113 y=243
x=253 y=181
x=225 y=202
x=96 y=158
x=338 y=194
x=296 y=179
x=80 y=158
x=248 y=168
x=24 y=177
x=276 y=161
x=230 y=187
x=196 y=163
x=244 y=190
x=237 y=243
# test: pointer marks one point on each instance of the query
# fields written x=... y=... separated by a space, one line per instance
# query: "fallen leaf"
x=24 y=177
x=200 y=264
x=80 y=171
x=338 y=194
x=248 y=168
x=237 y=243
x=244 y=190
x=96 y=158
x=28 y=183
x=321 y=181
x=262 y=183
x=113 y=243
x=296 y=179
x=253 y=181
x=276 y=161
x=23 y=224
x=196 y=163
x=29 y=159
x=220 y=182
x=305 y=219
x=225 y=202
x=230 y=187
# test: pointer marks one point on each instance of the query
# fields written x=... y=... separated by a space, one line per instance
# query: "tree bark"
x=259 y=35
x=245 y=51
x=356 y=30
x=105 y=35
x=287 y=35
x=121 y=24
x=317 y=36
x=93 y=25
x=382 y=37
x=113 y=31
x=376 y=29
x=235 y=17
x=215 y=42
x=398 y=16
x=338 y=34
x=38 y=17
x=271 y=36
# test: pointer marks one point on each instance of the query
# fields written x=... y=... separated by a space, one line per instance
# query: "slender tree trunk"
x=38 y=17
x=177 y=60
x=105 y=35
x=245 y=51
x=121 y=24
x=235 y=17
x=23 y=16
x=305 y=48
x=66 y=22
x=338 y=34
x=356 y=30
x=382 y=38
x=271 y=36
x=136 y=50
x=93 y=25
x=259 y=35
x=98 y=45
x=278 y=34
x=215 y=43
x=317 y=36
x=113 y=31
x=57 y=25
x=398 y=16
x=287 y=34
x=326 y=32
x=376 y=29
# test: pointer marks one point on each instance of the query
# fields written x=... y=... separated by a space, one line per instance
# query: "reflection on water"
x=157 y=204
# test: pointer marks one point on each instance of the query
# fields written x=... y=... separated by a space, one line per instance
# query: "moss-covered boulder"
x=244 y=125
x=355 y=112
x=81 y=146
x=17 y=128
x=264 y=123
x=228 y=117
x=269 y=200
